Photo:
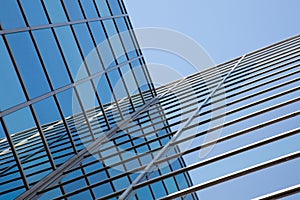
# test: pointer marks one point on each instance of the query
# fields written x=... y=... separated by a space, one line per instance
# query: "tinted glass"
x=28 y=63
x=10 y=15
x=52 y=58
x=9 y=83
x=34 y=12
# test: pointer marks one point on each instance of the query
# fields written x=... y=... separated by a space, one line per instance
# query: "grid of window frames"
x=113 y=165
x=70 y=71
x=257 y=138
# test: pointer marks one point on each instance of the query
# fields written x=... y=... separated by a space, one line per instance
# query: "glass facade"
x=80 y=118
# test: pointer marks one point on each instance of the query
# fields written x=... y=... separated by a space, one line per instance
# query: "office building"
x=80 y=118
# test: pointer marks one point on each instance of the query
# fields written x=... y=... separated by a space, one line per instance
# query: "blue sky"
x=225 y=29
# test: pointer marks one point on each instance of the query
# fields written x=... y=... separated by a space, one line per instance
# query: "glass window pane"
x=73 y=9
x=115 y=7
x=115 y=40
x=103 y=8
x=10 y=15
x=52 y=57
x=55 y=11
x=103 y=89
x=87 y=95
x=9 y=83
x=71 y=52
x=34 y=12
x=28 y=63
x=89 y=9
x=117 y=84
x=88 y=48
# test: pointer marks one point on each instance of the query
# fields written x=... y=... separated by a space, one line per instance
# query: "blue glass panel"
x=129 y=79
x=102 y=44
x=103 y=8
x=34 y=12
x=117 y=84
x=87 y=95
x=88 y=48
x=52 y=114
x=126 y=38
x=2 y=134
x=28 y=63
x=158 y=189
x=102 y=190
x=121 y=183
x=140 y=75
x=103 y=89
x=52 y=57
x=69 y=103
x=115 y=41
x=115 y=7
x=55 y=11
x=19 y=121
x=10 y=15
x=52 y=194
x=144 y=193
x=71 y=52
x=73 y=9
x=89 y=9
x=86 y=195
x=9 y=83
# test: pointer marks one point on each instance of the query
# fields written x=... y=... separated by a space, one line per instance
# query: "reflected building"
x=81 y=119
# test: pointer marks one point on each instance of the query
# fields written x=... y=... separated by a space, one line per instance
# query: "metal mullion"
x=285 y=56
x=233 y=175
x=53 y=25
x=241 y=118
x=271 y=53
x=271 y=56
x=15 y=155
x=281 y=193
x=278 y=60
x=253 y=53
x=255 y=94
x=262 y=78
x=265 y=70
x=272 y=48
x=221 y=156
x=225 y=138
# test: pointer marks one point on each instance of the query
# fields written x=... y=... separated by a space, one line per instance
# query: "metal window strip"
x=231 y=176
